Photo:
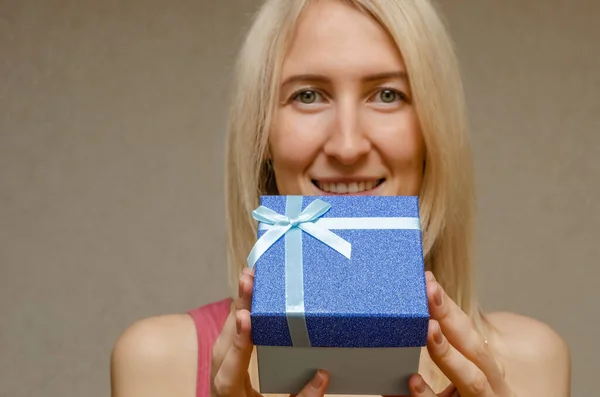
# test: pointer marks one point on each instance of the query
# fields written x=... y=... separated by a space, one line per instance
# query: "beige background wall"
x=111 y=140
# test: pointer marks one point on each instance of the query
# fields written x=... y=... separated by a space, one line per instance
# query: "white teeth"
x=343 y=188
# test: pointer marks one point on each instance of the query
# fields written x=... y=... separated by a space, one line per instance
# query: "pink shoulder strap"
x=209 y=321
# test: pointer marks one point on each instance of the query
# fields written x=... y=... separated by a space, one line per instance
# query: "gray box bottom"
x=370 y=371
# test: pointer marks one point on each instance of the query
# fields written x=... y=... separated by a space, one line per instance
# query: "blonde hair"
x=447 y=194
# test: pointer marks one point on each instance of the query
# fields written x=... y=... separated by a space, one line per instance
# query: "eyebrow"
x=401 y=75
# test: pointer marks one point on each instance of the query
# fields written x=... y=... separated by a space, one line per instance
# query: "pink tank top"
x=209 y=321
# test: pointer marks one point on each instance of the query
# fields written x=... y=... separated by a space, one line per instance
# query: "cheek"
x=295 y=139
x=400 y=141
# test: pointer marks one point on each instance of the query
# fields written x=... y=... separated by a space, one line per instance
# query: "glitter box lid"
x=377 y=298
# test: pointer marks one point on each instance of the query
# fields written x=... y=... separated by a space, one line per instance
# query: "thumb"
x=316 y=387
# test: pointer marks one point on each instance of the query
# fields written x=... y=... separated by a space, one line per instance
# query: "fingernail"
x=438 y=337
x=437 y=297
x=238 y=325
x=430 y=276
x=317 y=380
x=420 y=388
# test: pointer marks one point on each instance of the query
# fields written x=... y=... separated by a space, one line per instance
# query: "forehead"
x=333 y=34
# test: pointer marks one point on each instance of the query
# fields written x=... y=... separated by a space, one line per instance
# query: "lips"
x=353 y=187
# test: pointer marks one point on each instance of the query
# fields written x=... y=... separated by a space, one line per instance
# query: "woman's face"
x=345 y=123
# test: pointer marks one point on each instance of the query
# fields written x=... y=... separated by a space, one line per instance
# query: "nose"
x=347 y=141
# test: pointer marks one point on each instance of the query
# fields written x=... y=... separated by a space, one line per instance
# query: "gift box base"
x=366 y=371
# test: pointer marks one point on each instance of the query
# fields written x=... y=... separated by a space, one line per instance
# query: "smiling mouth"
x=348 y=187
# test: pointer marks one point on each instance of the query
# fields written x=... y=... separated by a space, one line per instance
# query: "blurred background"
x=112 y=124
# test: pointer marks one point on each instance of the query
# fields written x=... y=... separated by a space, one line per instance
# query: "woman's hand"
x=459 y=351
x=233 y=350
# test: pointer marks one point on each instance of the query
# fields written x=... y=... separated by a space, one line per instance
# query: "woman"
x=349 y=97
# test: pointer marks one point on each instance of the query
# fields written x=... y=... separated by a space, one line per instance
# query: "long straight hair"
x=446 y=199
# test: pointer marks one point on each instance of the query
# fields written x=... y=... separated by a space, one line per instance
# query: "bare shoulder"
x=156 y=357
x=536 y=359
x=527 y=339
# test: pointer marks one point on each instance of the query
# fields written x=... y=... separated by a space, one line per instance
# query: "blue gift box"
x=364 y=290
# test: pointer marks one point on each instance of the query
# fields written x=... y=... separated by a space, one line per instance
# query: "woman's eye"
x=306 y=97
x=389 y=96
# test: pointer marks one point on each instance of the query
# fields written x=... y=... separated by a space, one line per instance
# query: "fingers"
x=469 y=379
x=458 y=328
x=450 y=391
x=455 y=323
x=242 y=302
x=245 y=287
x=316 y=387
x=250 y=392
x=230 y=379
x=419 y=388
x=233 y=348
